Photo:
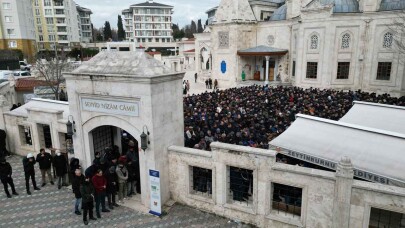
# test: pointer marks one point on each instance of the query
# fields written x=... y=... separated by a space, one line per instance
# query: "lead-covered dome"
x=342 y=6
x=388 y=5
x=280 y=14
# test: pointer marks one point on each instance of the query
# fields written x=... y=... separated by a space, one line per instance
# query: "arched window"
x=314 y=42
x=345 y=41
x=388 y=38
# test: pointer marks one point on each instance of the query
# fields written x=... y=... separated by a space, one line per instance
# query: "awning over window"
x=262 y=51
x=376 y=155
x=384 y=117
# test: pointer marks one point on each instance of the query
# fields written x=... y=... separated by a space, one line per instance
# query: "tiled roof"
x=28 y=84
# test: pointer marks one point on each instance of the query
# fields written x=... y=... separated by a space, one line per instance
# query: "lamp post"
x=70 y=125
x=144 y=138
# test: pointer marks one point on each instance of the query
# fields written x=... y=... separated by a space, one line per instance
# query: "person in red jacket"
x=100 y=185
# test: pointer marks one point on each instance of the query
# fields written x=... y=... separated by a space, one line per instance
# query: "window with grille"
x=201 y=181
x=388 y=39
x=25 y=135
x=102 y=137
x=240 y=186
x=293 y=68
x=380 y=218
x=345 y=41
x=343 y=70
x=314 y=42
x=286 y=199
x=312 y=70
x=384 y=71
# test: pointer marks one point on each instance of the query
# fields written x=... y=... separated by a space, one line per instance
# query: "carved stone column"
x=343 y=192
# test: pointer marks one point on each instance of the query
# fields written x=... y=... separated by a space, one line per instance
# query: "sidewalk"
x=51 y=207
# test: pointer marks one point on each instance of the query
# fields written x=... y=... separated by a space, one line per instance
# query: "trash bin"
x=243 y=76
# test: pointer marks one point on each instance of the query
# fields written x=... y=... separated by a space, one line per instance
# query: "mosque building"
x=339 y=44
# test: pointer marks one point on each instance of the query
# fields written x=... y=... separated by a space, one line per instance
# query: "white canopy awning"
x=379 y=116
x=376 y=155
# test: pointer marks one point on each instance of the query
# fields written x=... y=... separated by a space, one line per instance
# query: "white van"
x=21 y=74
x=5 y=74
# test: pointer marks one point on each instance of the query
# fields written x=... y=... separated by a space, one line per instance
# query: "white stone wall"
x=319 y=189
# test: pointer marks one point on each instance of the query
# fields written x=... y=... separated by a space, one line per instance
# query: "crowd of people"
x=254 y=115
x=110 y=174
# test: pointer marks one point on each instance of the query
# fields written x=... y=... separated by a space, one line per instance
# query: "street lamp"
x=144 y=138
x=70 y=125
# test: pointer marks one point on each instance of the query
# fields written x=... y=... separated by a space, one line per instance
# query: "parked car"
x=5 y=74
x=21 y=74
x=24 y=66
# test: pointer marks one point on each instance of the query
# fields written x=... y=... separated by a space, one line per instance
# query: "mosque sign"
x=365 y=175
x=110 y=106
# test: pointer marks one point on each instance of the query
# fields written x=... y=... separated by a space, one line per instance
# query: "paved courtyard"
x=51 y=207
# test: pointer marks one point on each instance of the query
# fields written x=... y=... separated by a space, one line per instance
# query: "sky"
x=184 y=10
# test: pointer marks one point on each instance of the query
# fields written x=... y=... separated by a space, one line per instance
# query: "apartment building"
x=17 y=26
x=84 y=19
x=148 y=22
x=56 y=24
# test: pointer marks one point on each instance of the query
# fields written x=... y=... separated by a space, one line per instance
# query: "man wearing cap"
x=45 y=162
x=87 y=193
x=60 y=165
x=29 y=171
x=5 y=176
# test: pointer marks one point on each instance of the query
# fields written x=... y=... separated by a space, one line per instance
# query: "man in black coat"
x=45 y=163
x=29 y=171
x=87 y=191
x=112 y=187
x=3 y=149
x=60 y=165
x=78 y=180
x=5 y=176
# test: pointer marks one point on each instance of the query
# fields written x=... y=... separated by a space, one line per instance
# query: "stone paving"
x=51 y=207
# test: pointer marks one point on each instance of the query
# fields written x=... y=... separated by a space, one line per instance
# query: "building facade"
x=17 y=27
x=148 y=22
x=56 y=24
x=314 y=43
x=84 y=19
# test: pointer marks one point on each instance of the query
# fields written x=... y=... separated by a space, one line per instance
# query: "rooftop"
x=151 y=4
x=115 y=63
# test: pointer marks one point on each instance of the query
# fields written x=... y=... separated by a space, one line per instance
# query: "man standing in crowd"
x=112 y=186
x=100 y=185
x=195 y=77
x=215 y=84
x=210 y=83
x=45 y=162
x=122 y=174
x=60 y=165
x=206 y=84
x=78 y=180
x=5 y=175
x=131 y=167
x=29 y=171
x=87 y=192
x=3 y=150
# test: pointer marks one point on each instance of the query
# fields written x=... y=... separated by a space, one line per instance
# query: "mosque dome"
x=388 y=5
x=280 y=14
x=342 y=6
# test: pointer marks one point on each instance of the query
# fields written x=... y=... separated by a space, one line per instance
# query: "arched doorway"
x=118 y=141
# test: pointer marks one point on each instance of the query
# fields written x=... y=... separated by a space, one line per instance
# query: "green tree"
x=177 y=33
x=193 y=27
x=107 y=31
x=121 y=31
x=200 y=28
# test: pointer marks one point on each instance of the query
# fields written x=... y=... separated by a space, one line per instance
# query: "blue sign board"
x=223 y=66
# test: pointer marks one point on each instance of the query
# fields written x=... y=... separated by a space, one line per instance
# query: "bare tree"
x=398 y=32
x=50 y=68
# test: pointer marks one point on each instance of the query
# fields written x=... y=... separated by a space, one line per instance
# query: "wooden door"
x=271 y=74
